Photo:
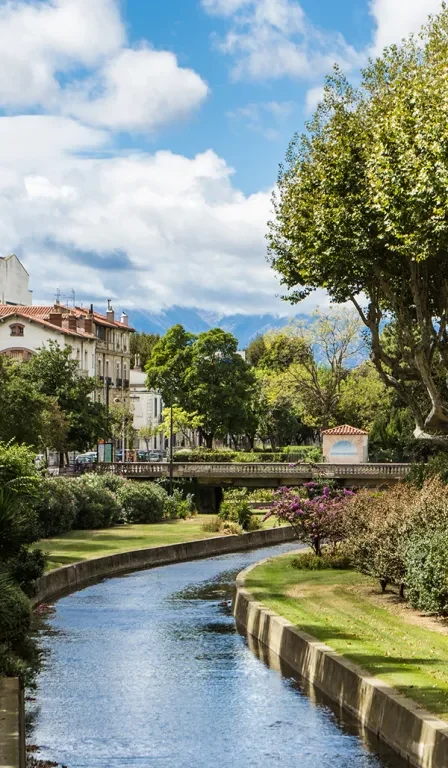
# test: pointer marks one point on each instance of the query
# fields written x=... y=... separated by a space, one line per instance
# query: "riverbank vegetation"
x=347 y=611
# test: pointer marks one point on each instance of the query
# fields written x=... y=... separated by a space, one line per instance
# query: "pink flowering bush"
x=315 y=511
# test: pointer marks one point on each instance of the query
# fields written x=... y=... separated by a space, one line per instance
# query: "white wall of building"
x=36 y=336
x=148 y=407
x=14 y=282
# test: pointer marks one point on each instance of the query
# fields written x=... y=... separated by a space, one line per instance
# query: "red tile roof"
x=102 y=319
x=38 y=315
x=43 y=312
x=345 y=429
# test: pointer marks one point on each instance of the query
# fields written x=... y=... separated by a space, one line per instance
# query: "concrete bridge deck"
x=262 y=474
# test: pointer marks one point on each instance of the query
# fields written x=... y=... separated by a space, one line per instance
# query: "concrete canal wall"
x=12 y=724
x=410 y=730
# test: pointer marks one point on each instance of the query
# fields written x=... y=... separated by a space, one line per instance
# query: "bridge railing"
x=261 y=469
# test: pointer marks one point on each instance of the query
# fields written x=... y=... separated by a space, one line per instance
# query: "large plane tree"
x=361 y=210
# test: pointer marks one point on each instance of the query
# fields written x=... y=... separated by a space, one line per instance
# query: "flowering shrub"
x=315 y=512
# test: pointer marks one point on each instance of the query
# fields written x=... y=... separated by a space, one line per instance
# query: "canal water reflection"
x=149 y=670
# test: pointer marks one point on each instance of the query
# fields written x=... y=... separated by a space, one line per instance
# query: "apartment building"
x=147 y=406
x=99 y=342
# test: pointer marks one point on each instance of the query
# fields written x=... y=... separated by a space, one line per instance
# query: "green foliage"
x=55 y=374
x=179 y=507
x=142 y=502
x=26 y=567
x=256 y=350
x=97 y=506
x=303 y=453
x=183 y=423
x=56 y=506
x=437 y=466
x=360 y=210
x=15 y=619
x=426 y=571
x=23 y=408
x=214 y=525
x=168 y=363
x=17 y=466
x=309 y=561
x=235 y=508
x=142 y=345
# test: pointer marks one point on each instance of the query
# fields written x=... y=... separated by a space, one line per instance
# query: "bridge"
x=260 y=474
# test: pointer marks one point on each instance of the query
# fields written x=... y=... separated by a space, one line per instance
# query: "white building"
x=14 y=282
x=148 y=407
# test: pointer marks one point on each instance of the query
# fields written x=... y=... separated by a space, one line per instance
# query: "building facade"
x=100 y=343
x=147 y=406
x=14 y=282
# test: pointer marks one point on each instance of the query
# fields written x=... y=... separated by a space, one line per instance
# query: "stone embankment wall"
x=12 y=724
x=410 y=730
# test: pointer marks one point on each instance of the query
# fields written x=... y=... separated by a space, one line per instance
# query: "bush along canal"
x=149 y=670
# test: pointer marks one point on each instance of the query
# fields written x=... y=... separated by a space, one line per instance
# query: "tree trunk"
x=384 y=583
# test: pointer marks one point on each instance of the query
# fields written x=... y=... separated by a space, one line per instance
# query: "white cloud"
x=395 y=19
x=138 y=90
x=151 y=230
x=265 y=118
x=273 y=38
x=313 y=97
x=40 y=40
x=45 y=43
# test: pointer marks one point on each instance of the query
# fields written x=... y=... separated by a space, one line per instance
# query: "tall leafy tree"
x=361 y=211
x=168 y=363
x=142 y=345
x=56 y=375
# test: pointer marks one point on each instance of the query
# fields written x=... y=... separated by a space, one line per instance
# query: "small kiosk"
x=345 y=445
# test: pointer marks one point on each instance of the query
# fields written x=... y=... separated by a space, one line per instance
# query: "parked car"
x=155 y=456
x=87 y=458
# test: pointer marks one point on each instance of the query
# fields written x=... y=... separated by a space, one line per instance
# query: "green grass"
x=82 y=545
x=340 y=609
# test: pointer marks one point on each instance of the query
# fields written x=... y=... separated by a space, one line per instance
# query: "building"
x=148 y=407
x=14 y=282
x=100 y=343
x=345 y=445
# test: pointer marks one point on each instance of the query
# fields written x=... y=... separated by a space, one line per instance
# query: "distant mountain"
x=244 y=327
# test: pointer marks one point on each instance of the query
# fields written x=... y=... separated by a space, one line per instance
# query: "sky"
x=140 y=140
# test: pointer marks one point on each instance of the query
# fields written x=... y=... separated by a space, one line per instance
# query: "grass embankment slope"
x=346 y=610
x=83 y=545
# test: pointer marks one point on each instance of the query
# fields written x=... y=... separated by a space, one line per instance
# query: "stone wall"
x=412 y=732
x=12 y=724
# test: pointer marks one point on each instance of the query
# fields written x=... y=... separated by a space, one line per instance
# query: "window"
x=17 y=329
x=107 y=368
x=155 y=407
x=86 y=360
x=100 y=332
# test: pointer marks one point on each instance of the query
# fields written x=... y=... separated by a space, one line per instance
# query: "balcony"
x=126 y=383
x=101 y=379
x=119 y=383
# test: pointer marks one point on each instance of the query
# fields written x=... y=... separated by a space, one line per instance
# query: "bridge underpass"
x=211 y=478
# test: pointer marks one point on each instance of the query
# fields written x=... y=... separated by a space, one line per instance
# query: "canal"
x=149 y=670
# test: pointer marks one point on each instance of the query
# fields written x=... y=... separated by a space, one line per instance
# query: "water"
x=149 y=670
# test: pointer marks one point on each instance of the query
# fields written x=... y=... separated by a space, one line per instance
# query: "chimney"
x=80 y=322
x=110 y=314
x=91 y=310
x=56 y=319
x=88 y=325
x=72 y=322
x=124 y=319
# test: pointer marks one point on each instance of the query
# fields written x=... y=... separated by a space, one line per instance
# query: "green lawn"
x=81 y=545
x=344 y=610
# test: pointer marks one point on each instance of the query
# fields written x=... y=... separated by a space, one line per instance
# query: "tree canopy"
x=360 y=211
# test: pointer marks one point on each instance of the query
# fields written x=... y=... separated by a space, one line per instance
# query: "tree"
x=24 y=410
x=142 y=345
x=312 y=363
x=121 y=421
x=255 y=350
x=147 y=433
x=56 y=376
x=361 y=211
x=183 y=422
x=168 y=363
x=218 y=385
x=364 y=398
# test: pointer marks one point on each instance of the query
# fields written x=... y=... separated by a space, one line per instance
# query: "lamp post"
x=171 y=447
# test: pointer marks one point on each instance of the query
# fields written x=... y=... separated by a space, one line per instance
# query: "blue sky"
x=140 y=140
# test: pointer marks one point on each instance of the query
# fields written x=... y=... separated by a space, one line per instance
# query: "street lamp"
x=171 y=447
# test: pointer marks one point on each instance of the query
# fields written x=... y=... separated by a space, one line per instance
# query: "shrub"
x=262 y=496
x=426 y=571
x=178 y=507
x=28 y=566
x=309 y=561
x=235 y=508
x=15 y=611
x=111 y=482
x=310 y=454
x=213 y=525
x=17 y=464
x=97 y=507
x=436 y=467
x=142 y=502
x=56 y=506
x=316 y=514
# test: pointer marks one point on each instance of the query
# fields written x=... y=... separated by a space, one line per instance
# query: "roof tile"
x=344 y=429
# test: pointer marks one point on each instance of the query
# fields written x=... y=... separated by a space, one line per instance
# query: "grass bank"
x=346 y=610
x=81 y=545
